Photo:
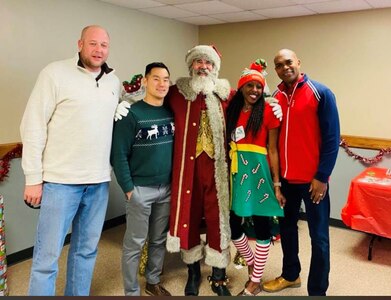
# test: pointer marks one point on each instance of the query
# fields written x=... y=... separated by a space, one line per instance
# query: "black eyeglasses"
x=32 y=206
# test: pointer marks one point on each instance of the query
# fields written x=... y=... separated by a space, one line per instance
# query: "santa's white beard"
x=203 y=84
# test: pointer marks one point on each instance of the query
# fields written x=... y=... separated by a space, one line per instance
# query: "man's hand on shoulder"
x=122 y=110
x=33 y=194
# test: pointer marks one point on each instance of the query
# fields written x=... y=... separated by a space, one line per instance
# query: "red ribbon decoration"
x=5 y=161
x=369 y=161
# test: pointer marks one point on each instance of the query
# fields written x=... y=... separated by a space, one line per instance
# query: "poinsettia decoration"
x=134 y=84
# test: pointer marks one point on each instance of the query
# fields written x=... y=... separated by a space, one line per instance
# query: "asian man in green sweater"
x=141 y=156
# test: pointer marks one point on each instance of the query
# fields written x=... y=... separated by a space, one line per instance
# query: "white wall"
x=36 y=32
x=348 y=52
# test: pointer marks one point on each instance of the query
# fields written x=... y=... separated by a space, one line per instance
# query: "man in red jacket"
x=200 y=177
x=308 y=148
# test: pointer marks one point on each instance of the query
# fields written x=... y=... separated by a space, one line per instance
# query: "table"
x=368 y=205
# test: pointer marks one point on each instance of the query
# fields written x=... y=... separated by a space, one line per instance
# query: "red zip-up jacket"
x=310 y=134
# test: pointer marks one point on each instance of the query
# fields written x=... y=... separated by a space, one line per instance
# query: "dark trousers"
x=318 y=223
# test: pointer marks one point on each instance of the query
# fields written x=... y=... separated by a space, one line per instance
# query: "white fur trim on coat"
x=217 y=125
x=194 y=254
x=173 y=243
x=216 y=259
x=222 y=88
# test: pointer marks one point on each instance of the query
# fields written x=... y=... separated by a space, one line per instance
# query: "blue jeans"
x=84 y=207
x=318 y=223
x=147 y=214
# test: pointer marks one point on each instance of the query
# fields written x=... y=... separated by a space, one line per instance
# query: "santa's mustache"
x=203 y=71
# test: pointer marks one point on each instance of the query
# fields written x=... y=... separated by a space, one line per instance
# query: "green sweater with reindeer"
x=141 y=152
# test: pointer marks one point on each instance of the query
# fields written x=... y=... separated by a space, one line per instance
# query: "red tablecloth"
x=368 y=207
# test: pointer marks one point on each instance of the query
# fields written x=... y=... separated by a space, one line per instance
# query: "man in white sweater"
x=66 y=133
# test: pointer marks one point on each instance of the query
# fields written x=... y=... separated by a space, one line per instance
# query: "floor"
x=351 y=272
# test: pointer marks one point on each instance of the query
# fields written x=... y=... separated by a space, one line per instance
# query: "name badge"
x=238 y=134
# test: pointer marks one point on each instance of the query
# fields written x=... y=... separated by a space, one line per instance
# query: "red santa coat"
x=186 y=106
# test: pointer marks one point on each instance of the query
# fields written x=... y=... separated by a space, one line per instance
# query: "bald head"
x=285 y=52
x=92 y=27
x=287 y=66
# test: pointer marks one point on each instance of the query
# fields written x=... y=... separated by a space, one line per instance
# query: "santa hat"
x=255 y=72
x=206 y=52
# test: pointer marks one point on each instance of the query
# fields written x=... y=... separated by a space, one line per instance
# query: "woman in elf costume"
x=252 y=131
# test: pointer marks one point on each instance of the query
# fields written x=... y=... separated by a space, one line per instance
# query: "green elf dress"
x=252 y=192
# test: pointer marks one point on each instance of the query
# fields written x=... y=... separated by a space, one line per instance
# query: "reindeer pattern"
x=153 y=132
x=158 y=129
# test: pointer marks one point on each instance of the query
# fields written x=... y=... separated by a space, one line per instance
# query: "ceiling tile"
x=209 y=7
x=284 y=12
x=257 y=4
x=309 y=1
x=379 y=3
x=169 y=12
x=207 y=12
x=338 y=6
x=135 y=4
x=201 y=20
x=174 y=2
x=242 y=16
